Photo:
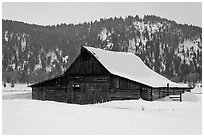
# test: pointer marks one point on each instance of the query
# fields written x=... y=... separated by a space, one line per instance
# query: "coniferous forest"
x=32 y=53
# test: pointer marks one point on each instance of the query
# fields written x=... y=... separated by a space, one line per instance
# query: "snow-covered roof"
x=130 y=66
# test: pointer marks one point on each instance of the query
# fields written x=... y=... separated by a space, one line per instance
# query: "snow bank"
x=21 y=115
x=197 y=90
x=16 y=95
x=141 y=105
x=116 y=117
x=166 y=99
x=188 y=96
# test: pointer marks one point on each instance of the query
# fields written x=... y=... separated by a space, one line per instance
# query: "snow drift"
x=23 y=116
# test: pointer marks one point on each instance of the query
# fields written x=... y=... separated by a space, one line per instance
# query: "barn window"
x=76 y=85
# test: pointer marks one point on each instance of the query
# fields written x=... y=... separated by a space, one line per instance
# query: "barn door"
x=77 y=95
x=74 y=94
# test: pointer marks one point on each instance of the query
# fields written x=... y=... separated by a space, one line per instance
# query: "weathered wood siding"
x=121 y=88
x=145 y=93
x=163 y=92
x=49 y=93
x=86 y=64
x=117 y=82
x=53 y=89
x=54 y=82
x=88 y=80
x=88 y=89
x=55 y=94
x=88 y=93
x=37 y=93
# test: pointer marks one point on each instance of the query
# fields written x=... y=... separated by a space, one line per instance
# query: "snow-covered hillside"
x=31 y=52
x=21 y=115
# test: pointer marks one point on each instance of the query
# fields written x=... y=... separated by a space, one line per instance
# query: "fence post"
x=167 y=89
x=180 y=97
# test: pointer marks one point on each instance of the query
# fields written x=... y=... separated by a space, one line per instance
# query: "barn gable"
x=86 y=64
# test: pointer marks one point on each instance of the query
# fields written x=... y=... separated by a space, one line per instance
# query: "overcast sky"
x=62 y=12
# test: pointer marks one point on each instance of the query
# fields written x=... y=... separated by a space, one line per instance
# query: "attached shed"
x=53 y=89
x=98 y=75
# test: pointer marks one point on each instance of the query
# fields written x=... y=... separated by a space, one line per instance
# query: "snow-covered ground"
x=20 y=91
x=21 y=115
x=17 y=88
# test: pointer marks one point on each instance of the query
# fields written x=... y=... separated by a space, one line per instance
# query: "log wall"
x=123 y=89
x=50 y=93
x=88 y=93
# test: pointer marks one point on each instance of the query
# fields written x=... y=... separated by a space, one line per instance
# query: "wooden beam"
x=180 y=97
x=167 y=89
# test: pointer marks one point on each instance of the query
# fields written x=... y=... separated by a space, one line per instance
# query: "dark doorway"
x=77 y=95
x=144 y=94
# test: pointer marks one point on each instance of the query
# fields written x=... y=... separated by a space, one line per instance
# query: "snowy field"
x=21 y=115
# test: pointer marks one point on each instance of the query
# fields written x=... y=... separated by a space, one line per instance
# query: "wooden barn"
x=98 y=75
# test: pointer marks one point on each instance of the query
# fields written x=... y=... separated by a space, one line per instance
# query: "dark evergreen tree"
x=159 y=42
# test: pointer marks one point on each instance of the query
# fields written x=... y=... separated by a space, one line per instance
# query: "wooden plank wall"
x=90 y=93
x=117 y=82
x=86 y=64
x=145 y=93
x=55 y=94
x=163 y=92
x=37 y=93
x=118 y=94
x=123 y=89
x=50 y=93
